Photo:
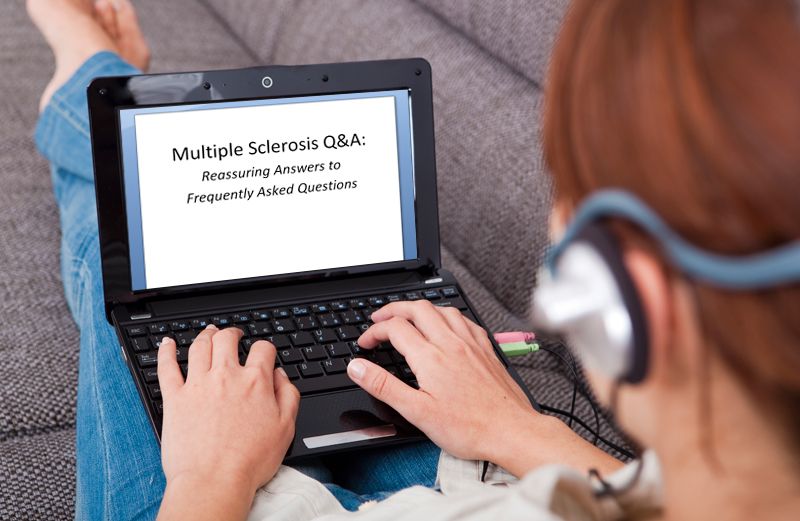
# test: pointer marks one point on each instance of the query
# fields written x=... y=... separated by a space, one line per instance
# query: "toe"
x=106 y=15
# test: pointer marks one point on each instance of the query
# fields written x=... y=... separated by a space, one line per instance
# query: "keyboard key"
x=310 y=369
x=320 y=308
x=393 y=298
x=381 y=358
x=279 y=341
x=449 y=292
x=339 y=305
x=358 y=303
x=281 y=313
x=283 y=325
x=303 y=338
x=159 y=407
x=305 y=323
x=431 y=294
x=260 y=328
x=290 y=356
x=247 y=343
x=136 y=331
x=150 y=375
x=182 y=354
x=334 y=366
x=348 y=332
x=291 y=372
x=140 y=344
x=413 y=295
x=155 y=391
x=352 y=317
x=200 y=323
x=240 y=318
x=158 y=329
x=184 y=369
x=456 y=302
x=300 y=311
x=377 y=301
x=329 y=320
x=324 y=336
x=179 y=325
x=355 y=348
x=147 y=359
x=261 y=315
x=334 y=382
x=221 y=321
x=185 y=338
x=338 y=349
x=314 y=353
x=406 y=373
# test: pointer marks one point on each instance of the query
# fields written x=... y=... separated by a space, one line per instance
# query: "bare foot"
x=74 y=34
x=118 y=18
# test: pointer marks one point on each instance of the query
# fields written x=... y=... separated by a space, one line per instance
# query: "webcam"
x=266 y=82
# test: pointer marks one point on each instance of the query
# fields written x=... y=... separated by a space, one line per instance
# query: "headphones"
x=587 y=294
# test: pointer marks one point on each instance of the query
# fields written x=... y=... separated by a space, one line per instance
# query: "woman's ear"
x=657 y=297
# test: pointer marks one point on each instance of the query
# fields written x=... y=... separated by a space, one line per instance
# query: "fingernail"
x=211 y=326
x=280 y=370
x=165 y=340
x=356 y=369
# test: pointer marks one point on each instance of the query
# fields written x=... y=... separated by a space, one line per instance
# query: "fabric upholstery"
x=488 y=60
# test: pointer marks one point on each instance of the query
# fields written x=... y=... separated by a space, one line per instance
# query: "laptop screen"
x=234 y=190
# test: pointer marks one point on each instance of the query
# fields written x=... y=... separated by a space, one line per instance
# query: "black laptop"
x=288 y=201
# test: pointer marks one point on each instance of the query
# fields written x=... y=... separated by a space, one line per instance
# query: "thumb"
x=386 y=387
x=286 y=394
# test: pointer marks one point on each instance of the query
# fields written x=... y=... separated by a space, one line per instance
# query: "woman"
x=690 y=105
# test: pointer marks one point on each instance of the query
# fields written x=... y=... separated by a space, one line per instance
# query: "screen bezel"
x=109 y=94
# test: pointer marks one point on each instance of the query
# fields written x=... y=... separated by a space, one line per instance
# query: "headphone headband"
x=756 y=271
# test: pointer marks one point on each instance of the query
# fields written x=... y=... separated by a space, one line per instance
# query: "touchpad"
x=342 y=419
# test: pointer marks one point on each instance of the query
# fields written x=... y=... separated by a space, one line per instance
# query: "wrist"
x=536 y=439
x=207 y=495
x=525 y=442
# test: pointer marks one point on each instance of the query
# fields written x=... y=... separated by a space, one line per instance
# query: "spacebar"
x=333 y=382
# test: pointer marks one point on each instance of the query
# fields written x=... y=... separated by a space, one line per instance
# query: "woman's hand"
x=226 y=428
x=467 y=403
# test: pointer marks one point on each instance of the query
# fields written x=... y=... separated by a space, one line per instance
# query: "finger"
x=422 y=314
x=225 y=347
x=455 y=319
x=480 y=335
x=107 y=16
x=382 y=385
x=286 y=394
x=262 y=354
x=200 y=352
x=170 y=378
x=399 y=331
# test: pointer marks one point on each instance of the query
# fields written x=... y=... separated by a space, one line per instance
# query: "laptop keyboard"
x=314 y=341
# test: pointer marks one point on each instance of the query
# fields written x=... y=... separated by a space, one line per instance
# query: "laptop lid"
x=210 y=181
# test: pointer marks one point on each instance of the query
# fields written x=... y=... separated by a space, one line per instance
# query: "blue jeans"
x=119 y=473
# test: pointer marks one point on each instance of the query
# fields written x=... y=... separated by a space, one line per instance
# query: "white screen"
x=186 y=239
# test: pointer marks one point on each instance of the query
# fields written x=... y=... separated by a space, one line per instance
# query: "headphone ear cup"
x=607 y=246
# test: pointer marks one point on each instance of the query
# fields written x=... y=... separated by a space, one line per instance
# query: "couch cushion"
x=493 y=188
x=519 y=33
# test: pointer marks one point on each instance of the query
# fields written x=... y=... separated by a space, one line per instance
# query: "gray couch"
x=489 y=60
